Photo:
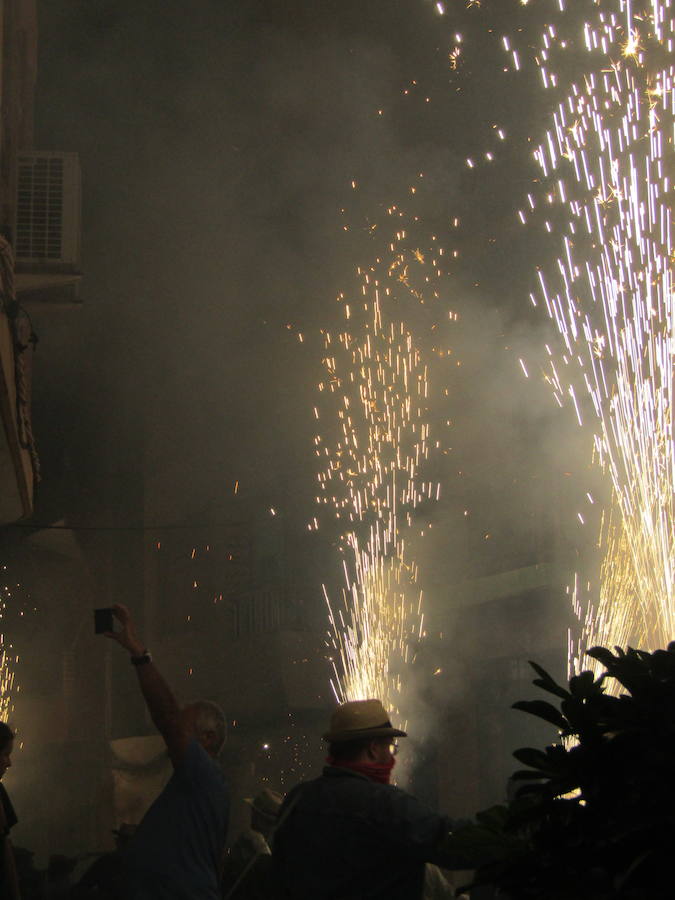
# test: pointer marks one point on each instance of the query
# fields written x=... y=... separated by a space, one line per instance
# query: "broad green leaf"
x=542 y=710
x=582 y=685
x=603 y=655
x=547 y=682
x=530 y=756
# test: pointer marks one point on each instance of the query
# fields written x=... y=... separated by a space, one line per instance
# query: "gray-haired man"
x=177 y=850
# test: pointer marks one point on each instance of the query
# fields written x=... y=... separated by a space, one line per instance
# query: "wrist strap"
x=142 y=660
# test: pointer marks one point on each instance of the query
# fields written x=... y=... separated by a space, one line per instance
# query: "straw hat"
x=359 y=719
x=267 y=803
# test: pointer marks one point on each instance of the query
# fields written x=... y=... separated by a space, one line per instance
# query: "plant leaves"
x=546 y=682
x=543 y=710
x=583 y=685
x=603 y=655
x=591 y=819
x=552 y=688
x=530 y=756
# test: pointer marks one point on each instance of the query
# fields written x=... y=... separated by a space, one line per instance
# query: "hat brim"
x=363 y=734
x=263 y=812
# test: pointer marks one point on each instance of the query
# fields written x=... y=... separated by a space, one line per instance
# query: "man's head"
x=371 y=751
x=206 y=721
x=361 y=737
x=361 y=732
x=6 y=747
x=264 y=811
x=359 y=720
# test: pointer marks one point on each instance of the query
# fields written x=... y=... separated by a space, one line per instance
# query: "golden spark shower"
x=376 y=390
x=9 y=593
x=605 y=197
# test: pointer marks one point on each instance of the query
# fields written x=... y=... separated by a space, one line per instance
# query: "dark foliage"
x=594 y=815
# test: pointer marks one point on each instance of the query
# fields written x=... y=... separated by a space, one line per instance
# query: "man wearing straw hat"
x=349 y=833
x=246 y=873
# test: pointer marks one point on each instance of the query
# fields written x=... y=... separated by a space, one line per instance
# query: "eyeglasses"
x=393 y=748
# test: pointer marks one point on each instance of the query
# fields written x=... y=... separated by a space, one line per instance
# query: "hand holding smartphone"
x=103 y=620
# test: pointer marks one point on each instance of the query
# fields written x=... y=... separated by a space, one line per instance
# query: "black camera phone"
x=103 y=620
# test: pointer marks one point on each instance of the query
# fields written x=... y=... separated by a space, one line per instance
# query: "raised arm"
x=162 y=706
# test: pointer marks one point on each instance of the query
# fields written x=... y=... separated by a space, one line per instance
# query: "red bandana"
x=380 y=772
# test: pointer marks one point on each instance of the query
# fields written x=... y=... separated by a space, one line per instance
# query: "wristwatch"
x=142 y=660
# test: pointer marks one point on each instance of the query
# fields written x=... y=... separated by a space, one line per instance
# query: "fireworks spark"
x=14 y=594
x=607 y=163
x=377 y=389
x=6 y=679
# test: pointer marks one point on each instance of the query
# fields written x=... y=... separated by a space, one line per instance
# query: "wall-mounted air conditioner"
x=48 y=212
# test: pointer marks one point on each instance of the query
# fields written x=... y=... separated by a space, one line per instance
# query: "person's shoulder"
x=304 y=796
x=399 y=795
x=301 y=789
x=303 y=786
x=396 y=803
x=198 y=765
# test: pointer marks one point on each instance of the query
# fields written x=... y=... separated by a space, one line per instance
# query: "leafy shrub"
x=594 y=816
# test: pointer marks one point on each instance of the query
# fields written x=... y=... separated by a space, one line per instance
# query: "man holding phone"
x=178 y=849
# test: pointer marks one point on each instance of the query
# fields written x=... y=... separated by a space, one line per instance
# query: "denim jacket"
x=345 y=837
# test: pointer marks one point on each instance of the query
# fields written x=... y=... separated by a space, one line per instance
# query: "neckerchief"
x=379 y=772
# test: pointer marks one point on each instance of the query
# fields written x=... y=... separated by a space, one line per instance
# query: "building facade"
x=39 y=249
x=18 y=74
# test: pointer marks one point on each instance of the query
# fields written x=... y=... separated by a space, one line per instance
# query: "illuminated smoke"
x=606 y=164
x=376 y=390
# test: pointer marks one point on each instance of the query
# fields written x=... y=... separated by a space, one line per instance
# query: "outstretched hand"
x=127 y=636
x=162 y=705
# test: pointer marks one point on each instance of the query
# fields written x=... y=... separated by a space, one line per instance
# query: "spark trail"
x=8 y=659
x=606 y=164
x=376 y=389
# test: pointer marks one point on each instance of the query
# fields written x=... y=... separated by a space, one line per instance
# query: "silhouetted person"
x=349 y=834
x=247 y=869
x=178 y=848
x=59 y=871
x=9 y=882
x=31 y=880
x=104 y=879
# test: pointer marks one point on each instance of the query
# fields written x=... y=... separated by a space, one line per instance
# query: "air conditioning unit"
x=48 y=212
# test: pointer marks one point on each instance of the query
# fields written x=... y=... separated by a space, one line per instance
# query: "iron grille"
x=39 y=221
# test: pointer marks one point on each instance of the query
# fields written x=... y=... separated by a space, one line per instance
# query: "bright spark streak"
x=372 y=475
x=607 y=163
x=7 y=659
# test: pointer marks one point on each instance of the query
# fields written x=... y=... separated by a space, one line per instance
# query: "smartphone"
x=103 y=620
